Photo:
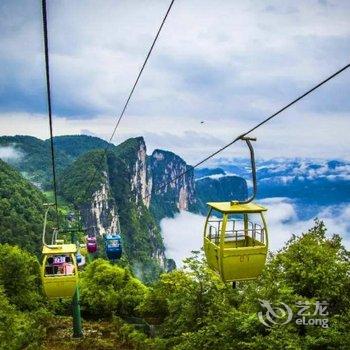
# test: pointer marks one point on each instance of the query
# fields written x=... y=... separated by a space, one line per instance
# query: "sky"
x=225 y=63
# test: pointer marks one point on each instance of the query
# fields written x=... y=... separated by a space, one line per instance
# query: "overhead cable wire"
x=48 y=89
x=266 y=120
x=129 y=96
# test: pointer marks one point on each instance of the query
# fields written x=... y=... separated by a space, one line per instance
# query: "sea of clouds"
x=183 y=233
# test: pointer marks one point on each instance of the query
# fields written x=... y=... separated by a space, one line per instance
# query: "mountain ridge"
x=323 y=182
x=126 y=189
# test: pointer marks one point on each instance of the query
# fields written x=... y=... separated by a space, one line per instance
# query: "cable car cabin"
x=113 y=246
x=236 y=240
x=59 y=270
x=91 y=244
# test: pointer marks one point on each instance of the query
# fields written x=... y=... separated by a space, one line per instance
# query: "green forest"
x=188 y=308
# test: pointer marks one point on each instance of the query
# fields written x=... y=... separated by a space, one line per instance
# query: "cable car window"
x=113 y=242
x=214 y=225
x=59 y=265
x=244 y=231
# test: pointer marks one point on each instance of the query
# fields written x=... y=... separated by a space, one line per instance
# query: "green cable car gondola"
x=235 y=236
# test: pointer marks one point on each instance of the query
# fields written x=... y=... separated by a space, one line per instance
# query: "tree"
x=22 y=313
x=108 y=289
x=20 y=277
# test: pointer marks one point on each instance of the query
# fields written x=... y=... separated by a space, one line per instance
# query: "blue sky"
x=226 y=63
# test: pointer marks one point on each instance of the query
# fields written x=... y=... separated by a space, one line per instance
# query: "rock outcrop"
x=172 y=184
x=141 y=181
x=100 y=216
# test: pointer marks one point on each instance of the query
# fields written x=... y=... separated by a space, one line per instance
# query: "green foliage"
x=20 y=330
x=22 y=316
x=35 y=155
x=314 y=266
x=74 y=180
x=22 y=211
x=183 y=299
x=20 y=277
x=76 y=145
x=108 y=289
x=35 y=158
x=197 y=311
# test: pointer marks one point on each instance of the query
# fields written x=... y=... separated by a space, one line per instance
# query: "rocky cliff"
x=131 y=187
x=222 y=188
x=141 y=179
x=118 y=195
x=167 y=196
x=100 y=216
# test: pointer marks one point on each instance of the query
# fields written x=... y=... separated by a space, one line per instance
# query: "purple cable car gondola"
x=91 y=244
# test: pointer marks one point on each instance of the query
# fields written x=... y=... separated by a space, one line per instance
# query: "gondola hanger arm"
x=248 y=140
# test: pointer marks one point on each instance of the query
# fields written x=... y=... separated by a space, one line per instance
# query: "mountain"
x=318 y=182
x=32 y=156
x=129 y=190
x=312 y=181
x=21 y=210
x=167 y=196
x=121 y=187
x=220 y=189
x=116 y=197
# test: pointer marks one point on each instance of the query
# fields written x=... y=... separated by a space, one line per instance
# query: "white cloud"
x=227 y=63
x=283 y=221
x=186 y=137
x=184 y=232
x=10 y=154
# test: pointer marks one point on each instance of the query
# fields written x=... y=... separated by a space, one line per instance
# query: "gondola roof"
x=232 y=207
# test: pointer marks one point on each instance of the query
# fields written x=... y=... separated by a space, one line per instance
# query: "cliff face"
x=131 y=182
x=148 y=174
x=130 y=188
x=221 y=189
x=100 y=215
x=141 y=179
x=169 y=197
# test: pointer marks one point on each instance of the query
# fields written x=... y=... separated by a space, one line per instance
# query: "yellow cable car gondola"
x=59 y=270
x=235 y=235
